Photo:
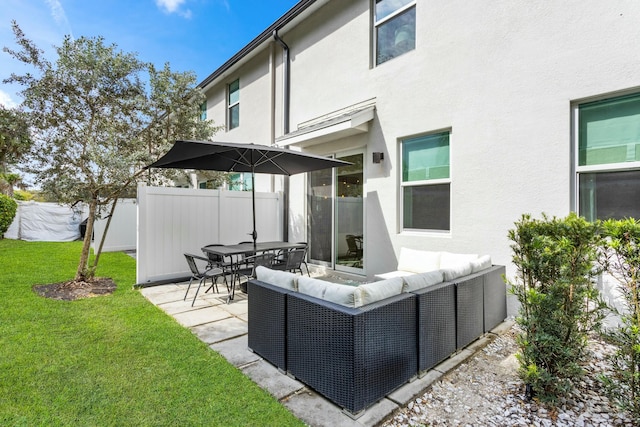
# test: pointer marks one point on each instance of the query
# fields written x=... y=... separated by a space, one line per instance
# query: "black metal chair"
x=354 y=245
x=201 y=274
x=292 y=261
x=218 y=261
x=304 y=258
x=251 y=262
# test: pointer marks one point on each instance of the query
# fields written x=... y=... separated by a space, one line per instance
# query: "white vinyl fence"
x=121 y=235
x=173 y=221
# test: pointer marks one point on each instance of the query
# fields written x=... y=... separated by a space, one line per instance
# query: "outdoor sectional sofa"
x=356 y=344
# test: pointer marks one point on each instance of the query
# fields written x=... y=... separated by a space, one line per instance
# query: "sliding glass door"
x=336 y=216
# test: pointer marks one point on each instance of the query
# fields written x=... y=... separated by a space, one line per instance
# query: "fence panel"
x=172 y=221
x=121 y=235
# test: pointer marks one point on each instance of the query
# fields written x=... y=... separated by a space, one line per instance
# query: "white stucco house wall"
x=459 y=116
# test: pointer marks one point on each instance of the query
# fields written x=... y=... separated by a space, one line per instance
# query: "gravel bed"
x=486 y=391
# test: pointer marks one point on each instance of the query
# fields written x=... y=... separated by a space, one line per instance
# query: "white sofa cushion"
x=376 y=291
x=283 y=279
x=311 y=286
x=422 y=280
x=417 y=261
x=449 y=260
x=346 y=295
x=456 y=270
x=392 y=274
x=481 y=263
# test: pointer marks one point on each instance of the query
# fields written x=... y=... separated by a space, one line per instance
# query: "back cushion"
x=481 y=263
x=376 y=291
x=283 y=279
x=449 y=260
x=417 y=261
x=422 y=280
x=348 y=296
x=455 y=271
x=310 y=286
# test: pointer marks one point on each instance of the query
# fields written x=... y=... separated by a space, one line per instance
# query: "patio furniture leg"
x=185 y=294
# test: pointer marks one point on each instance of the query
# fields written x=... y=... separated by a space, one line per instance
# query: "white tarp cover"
x=49 y=222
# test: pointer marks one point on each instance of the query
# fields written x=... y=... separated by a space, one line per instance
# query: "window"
x=426 y=183
x=234 y=105
x=240 y=182
x=203 y=111
x=395 y=28
x=608 y=158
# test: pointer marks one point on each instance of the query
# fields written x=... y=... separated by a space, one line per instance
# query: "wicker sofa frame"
x=357 y=356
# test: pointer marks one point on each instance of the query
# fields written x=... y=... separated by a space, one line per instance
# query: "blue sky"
x=195 y=35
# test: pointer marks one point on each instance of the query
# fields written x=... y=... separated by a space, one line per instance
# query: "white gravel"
x=486 y=391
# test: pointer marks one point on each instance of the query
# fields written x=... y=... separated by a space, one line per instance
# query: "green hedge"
x=8 y=208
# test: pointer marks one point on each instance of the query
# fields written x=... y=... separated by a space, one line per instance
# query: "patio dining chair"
x=219 y=261
x=201 y=273
x=252 y=262
x=292 y=261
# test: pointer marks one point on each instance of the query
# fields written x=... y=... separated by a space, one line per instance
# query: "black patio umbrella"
x=236 y=157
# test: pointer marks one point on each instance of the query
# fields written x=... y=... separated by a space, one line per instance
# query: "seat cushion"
x=417 y=261
x=422 y=280
x=392 y=274
x=377 y=291
x=283 y=279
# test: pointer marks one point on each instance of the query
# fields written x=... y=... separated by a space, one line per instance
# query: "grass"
x=109 y=361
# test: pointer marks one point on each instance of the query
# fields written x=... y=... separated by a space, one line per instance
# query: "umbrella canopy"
x=235 y=157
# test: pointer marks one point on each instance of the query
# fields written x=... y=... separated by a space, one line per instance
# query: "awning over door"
x=340 y=124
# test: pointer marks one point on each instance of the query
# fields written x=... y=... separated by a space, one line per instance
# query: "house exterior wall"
x=501 y=76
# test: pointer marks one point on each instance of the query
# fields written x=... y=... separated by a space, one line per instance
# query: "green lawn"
x=109 y=361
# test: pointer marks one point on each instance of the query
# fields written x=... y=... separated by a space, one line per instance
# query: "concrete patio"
x=223 y=327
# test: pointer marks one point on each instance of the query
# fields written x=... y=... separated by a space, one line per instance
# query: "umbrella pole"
x=253 y=203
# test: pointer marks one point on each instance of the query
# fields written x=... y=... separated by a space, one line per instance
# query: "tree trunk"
x=104 y=235
x=84 y=273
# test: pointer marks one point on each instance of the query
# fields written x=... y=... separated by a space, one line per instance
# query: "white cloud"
x=6 y=101
x=169 y=6
x=59 y=15
x=173 y=6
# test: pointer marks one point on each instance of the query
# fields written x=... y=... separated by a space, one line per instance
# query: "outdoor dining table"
x=233 y=251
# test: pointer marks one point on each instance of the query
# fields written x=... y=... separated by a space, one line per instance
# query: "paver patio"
x=224 y=328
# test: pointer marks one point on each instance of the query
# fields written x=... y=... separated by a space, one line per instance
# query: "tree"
x=15 y=142
x=95 y=121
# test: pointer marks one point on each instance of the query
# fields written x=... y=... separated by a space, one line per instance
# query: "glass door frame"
x=333 y=262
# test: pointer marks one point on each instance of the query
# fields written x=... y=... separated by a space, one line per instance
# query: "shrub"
x=8 y=208
x=555 y=261
x=621 y=259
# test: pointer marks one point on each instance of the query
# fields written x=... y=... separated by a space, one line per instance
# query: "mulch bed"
x=72 y=290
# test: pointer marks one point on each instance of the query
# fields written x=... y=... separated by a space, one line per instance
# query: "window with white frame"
x=203 y=111
x=608 y=157
x=395 y=28
x=426 y=183
x=233 y=105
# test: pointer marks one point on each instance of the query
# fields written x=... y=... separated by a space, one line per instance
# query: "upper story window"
x=608 y=157
x=203 y=111
x=426 y=183
x=233 y=105
x=395 y=28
